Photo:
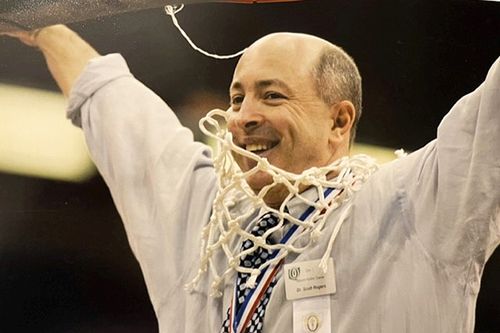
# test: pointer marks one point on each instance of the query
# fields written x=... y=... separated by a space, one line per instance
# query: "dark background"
x=65 y=265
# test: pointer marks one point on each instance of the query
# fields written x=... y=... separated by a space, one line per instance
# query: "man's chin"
x=275 y=194
x=259 y=180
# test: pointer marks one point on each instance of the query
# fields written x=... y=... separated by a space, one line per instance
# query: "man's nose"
x=248 y=117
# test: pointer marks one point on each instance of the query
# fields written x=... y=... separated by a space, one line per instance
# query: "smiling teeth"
x=256 y=147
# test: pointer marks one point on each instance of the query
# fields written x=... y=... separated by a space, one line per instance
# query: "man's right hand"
x=66 y=53
x=27 y=37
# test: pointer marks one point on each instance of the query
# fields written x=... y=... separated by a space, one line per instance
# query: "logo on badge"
x=294 y=273
x=312 y=323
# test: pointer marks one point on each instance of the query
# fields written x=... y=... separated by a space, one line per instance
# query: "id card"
x=306 y=279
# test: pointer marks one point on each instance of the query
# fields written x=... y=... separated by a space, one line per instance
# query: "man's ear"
x=343 y=114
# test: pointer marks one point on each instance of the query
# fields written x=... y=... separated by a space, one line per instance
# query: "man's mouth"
x=260 y=148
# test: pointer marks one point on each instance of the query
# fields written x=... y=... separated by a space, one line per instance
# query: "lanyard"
x=238 y=321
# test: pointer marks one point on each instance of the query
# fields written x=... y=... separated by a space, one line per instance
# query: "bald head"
x=303 y=45
x=331 y=70
x=300 y=51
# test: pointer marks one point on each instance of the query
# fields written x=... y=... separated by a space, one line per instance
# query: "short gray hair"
x=337 y=78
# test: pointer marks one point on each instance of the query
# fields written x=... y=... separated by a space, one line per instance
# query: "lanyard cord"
x=238 y=321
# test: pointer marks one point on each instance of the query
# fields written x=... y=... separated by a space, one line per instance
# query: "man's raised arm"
x=161 y=180
x=65 y=52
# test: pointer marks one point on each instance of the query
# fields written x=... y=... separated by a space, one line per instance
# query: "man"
x=280 y=106
x=410 y=253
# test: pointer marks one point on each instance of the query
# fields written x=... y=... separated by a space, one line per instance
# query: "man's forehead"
x=266 y=69
x=282 y=73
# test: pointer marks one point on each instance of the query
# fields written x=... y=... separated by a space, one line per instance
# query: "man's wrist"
x=43 y=37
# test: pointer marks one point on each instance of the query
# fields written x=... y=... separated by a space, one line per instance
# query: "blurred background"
x=65 y=264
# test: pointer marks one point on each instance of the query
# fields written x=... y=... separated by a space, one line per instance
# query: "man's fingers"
x=10 y=34
x=27 y=37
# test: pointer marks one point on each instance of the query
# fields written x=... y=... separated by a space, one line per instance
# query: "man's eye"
x=236 y=100
x=273 y=95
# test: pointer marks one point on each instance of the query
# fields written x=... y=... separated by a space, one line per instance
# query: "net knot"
x=315 y=234
x=233 y=224
x=173 y=9
x=233 y=262
x=263 y=164
x=252 y=280
x=279 y=178
x=259 y=242
x=209 y=252
x=310 y=176
x=229 y=203
x=259 y=202
x=214 y=290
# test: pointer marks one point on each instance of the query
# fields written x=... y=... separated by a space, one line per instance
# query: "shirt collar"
x=296 y=206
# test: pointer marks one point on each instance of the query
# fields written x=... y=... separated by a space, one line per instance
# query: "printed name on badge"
x=306 y=279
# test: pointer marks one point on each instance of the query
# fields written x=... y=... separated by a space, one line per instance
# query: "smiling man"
x=284 y=106
x=405 y=246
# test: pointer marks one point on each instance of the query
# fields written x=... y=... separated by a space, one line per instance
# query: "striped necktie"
x=253 y=260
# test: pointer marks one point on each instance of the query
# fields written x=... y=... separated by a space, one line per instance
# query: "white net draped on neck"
x=224 y=228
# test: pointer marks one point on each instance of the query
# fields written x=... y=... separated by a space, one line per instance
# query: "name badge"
x=306 y=279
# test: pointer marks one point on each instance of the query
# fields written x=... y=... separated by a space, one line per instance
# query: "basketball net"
x=235 y=203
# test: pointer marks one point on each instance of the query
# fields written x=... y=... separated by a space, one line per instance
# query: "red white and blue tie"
x=253 y=260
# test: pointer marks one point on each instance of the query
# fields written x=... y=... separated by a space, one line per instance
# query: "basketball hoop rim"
x=249 y=2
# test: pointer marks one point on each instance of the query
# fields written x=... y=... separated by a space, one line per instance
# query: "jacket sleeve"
x=161 y=180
